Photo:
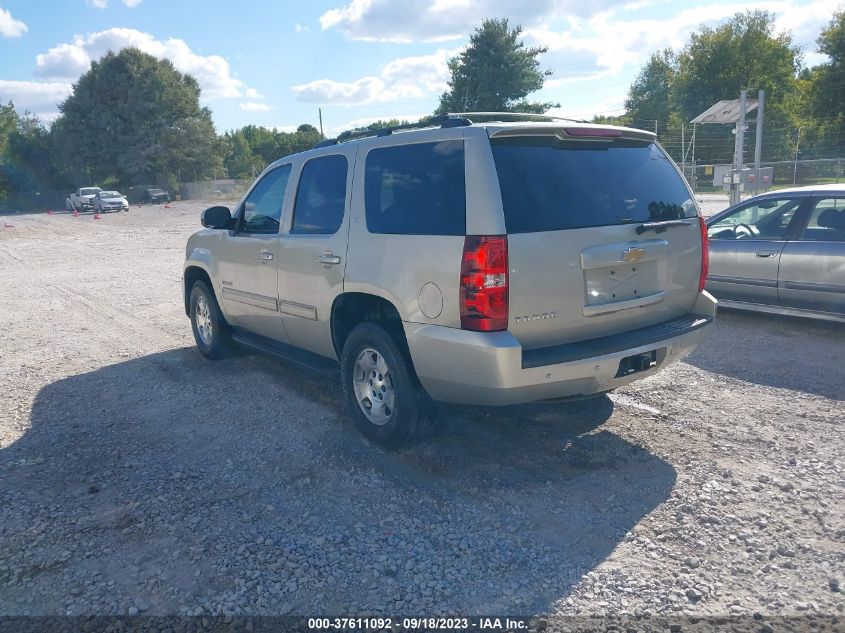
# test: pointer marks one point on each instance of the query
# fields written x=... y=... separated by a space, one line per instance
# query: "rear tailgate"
x=581 y=264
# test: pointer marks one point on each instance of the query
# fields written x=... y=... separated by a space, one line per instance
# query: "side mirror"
x=216 y=218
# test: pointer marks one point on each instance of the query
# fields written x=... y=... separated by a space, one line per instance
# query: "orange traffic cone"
x=50 y=212
x=97 y=216
x=168 y=206
x=8 y=226
x=75 y=213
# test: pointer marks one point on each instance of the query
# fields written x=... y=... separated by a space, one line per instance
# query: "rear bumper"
x=491 y=367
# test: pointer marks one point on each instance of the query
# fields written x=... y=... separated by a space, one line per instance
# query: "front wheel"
x=209 y=327
x=380 y=388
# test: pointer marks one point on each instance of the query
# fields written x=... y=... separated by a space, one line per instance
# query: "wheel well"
x=194 y=274
x=353 y=308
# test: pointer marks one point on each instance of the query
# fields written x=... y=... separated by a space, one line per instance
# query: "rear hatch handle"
x=659 y=227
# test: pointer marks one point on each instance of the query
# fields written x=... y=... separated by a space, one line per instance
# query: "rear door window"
x=416 y=189
x=549 y=184
x=827 y=221
x=321 y=196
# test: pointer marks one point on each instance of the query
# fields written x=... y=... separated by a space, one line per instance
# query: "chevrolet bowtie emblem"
x=633 y=255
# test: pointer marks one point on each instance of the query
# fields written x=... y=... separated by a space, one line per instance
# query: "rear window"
x=549 y=185
x=416 y=189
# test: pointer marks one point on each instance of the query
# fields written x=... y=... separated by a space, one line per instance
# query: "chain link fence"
x=228 y=189
x=711 y=197
x=57 y=200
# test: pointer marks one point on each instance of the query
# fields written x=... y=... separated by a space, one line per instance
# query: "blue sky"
x=274 y=63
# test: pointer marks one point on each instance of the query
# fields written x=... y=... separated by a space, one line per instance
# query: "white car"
x=82 y=199
x=106 y=201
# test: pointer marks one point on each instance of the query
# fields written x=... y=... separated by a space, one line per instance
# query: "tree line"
x=746 y=52
x=135 y=119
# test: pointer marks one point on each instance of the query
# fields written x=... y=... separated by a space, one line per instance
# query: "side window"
x=827 y=221
x=765 y=220
x=416 y=189
x=321 y=196
x=263 y=207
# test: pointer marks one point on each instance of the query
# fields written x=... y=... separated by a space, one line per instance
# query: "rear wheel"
x=210 y=330
x=380 y=388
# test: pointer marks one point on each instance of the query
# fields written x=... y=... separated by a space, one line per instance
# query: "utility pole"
x=694 y=170
x=683 y=152
x=320 y=112
x=758 y=140
x=795 y=169
x=736 y=175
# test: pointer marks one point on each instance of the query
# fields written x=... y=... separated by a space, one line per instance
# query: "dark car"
x=155 y=196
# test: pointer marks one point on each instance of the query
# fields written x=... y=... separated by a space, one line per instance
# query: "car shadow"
x=776 y=351
x=170 y=480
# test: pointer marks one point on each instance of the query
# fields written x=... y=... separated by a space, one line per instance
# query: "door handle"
x=264 y=256
x=763 y=254
x=328 y=259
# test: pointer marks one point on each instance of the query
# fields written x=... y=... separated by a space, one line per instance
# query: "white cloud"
x=9 y=26
x=252 y=106
x=815 y=59
x=805 y=21
x=69 y=60
x=103 y=4
x=350 y=92
x=299 y=28
x=35 y=96
x=439 y=20
x=252 y=93
x=402 y=78
x=605 y=43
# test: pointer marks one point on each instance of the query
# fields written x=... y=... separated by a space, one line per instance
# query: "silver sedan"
x=782 y=252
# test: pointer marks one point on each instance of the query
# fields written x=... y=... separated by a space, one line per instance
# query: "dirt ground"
x=138 y=477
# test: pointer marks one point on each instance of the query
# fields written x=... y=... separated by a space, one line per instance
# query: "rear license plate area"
x=637 y=363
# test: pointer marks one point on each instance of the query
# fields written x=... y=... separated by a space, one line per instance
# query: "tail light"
x=484 y=283
x=705 y=255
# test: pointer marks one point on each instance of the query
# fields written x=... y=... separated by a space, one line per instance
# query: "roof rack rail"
x=443 y=121
x=523 y=115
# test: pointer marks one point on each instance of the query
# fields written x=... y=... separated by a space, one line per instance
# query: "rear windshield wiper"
x=659 y=227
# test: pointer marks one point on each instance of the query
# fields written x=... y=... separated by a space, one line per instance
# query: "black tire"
x=411 y=416
x=217 y=343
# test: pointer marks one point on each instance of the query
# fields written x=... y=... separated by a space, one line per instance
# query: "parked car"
x=155 y=196
x=106 y=201
x=782 y=252
x=494 y=263
x=82 y=199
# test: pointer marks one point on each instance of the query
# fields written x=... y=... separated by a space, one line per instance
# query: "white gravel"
x=138 y=478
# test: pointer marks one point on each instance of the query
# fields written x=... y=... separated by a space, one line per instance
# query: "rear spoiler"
x=577 y=133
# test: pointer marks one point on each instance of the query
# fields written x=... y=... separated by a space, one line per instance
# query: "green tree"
x=495 y=73
x=828 y=80
x=239 y=161
x=251 y=148
x=8 y=124
x=648 y=96
x=134 y=118
x=743 y=53
x=29 y=164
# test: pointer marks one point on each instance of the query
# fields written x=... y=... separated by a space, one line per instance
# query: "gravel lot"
x=137 y=477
